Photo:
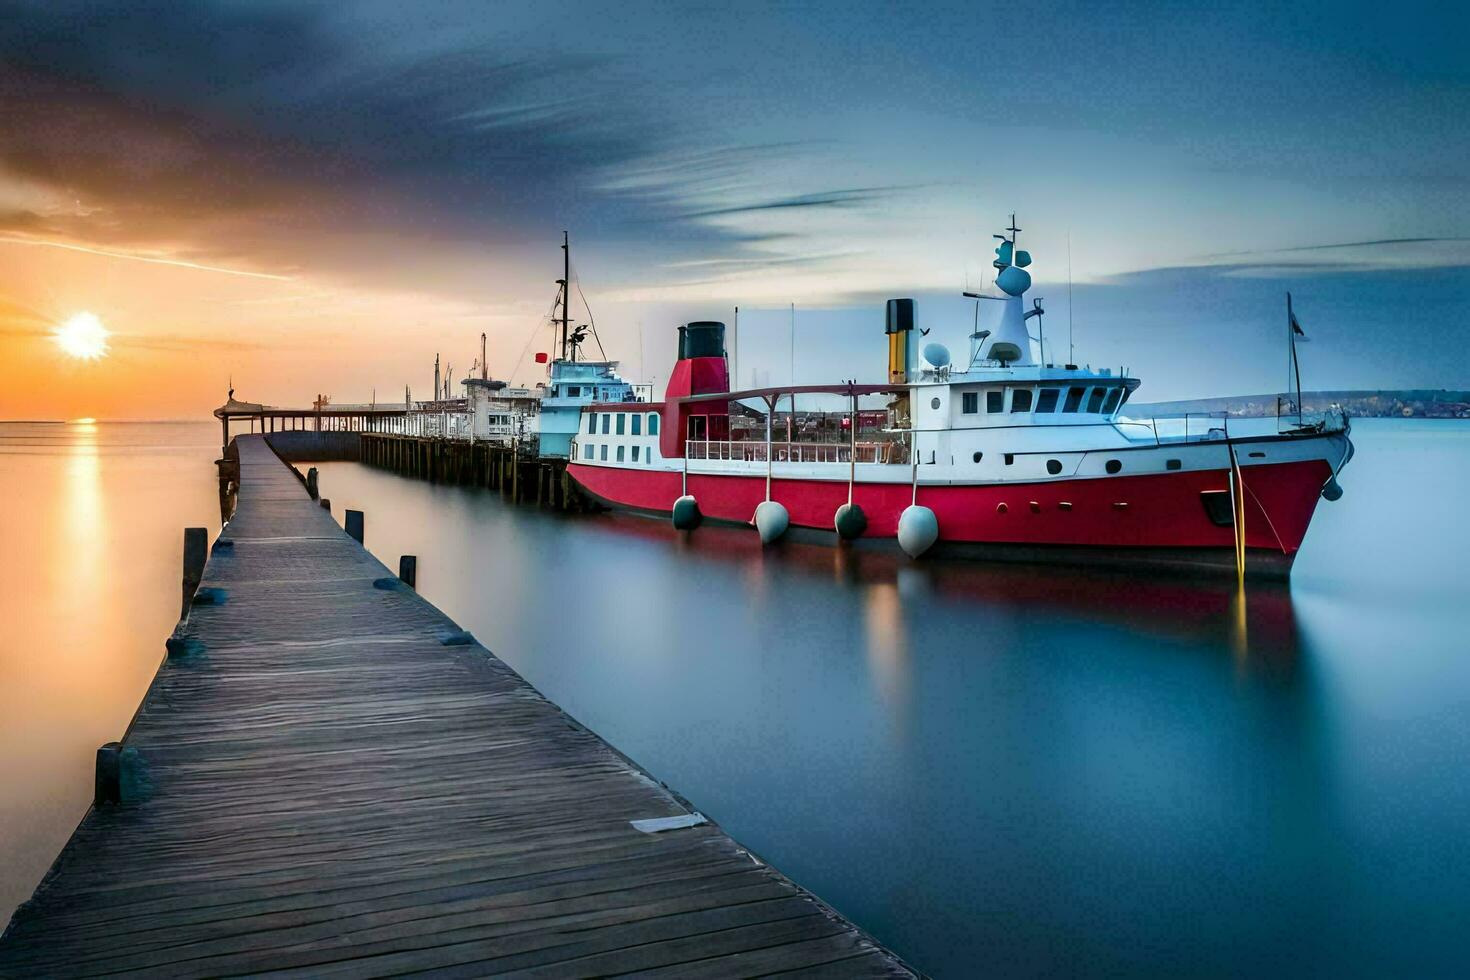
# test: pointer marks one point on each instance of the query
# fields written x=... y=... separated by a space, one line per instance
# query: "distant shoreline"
x=1411 y=403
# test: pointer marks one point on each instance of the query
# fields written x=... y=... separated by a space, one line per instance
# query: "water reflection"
x=91 y=517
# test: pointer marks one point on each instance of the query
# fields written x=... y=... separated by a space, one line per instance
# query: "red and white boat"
x=994 y=453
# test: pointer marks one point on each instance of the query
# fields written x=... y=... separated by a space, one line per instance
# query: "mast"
x=566 y=291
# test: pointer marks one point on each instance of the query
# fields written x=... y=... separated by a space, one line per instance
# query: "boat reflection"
x=1257 y=625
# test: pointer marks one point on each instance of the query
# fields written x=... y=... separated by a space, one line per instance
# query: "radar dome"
x=936 y=354
x=1014 y=281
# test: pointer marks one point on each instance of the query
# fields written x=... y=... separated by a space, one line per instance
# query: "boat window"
x=1173 y=464
x=591 y=423
x=1021 y=400
x=621 y=423
x=1113 y=465
x=635 y=449
x=1053 y=466
x=970 y=402
x=621 y=453
x=637 y=426
x=934 y=403
x=604 y=452
x=995 y=401
x=1111 y=405
x=1047 y=400
x=979 y=456
x=1074 y=399
x=1094 y=404
x=587 y=451
x=606 y=423
x=1010 y=458
x=653 y=425
x=574 y=391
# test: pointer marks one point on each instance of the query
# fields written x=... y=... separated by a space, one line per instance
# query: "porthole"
x=1053 y=466
x=1113 y=465
x=1010 y=458
x=934 y=403
x=978 y=456
x=1174 y=464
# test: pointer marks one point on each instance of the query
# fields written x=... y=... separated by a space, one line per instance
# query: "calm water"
x=91 y=542
x=1029 y=771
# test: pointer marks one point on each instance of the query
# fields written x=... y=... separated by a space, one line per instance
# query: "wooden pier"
x=329 y=778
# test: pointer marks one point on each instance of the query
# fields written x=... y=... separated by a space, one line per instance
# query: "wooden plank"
x=334 y=791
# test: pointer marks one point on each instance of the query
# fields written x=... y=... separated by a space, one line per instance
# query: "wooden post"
x=354 y=525
x=107 y=785
x=408 y=570
x=326 y=504
x=311 y=483
x=196 y=547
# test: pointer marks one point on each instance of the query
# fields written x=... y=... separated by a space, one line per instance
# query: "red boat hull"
x=1147 y=513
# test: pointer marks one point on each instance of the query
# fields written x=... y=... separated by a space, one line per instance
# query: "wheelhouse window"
x=970 y=402
x=1047 y=400
x=587 y=451
x=606 y=423
x=574 y=391
x=1074 y=399
x=995 y=401
x=1111 y=405
x=604 y=453
x=621 y=423
x=1021 y=400
x=1094 y=404
x=653 y=425
x=637 y=427
x=592 y=423
x=621 y=453
x=635 y=449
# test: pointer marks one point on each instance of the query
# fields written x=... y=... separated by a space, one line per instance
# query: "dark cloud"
x=261 y=133
x=824 y=199
x=1337 y=245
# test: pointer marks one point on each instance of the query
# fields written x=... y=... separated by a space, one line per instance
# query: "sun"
x=83 y=337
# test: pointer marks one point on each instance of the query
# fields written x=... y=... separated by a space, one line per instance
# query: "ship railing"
x=1195 y=427
x=752 y=451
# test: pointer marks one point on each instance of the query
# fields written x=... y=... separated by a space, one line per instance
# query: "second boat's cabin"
x=1069 y=401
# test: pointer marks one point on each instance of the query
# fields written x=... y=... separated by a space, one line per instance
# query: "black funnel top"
x=702 y=338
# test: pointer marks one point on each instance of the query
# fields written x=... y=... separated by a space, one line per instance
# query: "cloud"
x=269 y=140
x=823 y=199
x=1427 y=252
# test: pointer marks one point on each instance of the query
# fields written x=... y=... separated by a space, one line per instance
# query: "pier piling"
x=408 y=570
x=107 y=786
x=196 y=548
x=352 y=523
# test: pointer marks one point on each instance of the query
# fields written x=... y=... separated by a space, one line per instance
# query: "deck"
x=338 y=785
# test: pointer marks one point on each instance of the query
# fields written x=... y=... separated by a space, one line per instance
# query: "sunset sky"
x=318 y=197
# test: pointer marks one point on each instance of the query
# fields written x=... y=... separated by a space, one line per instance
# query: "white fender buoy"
x=918 y=529
x=771 y=520
x=686 y=513
x=850 y=521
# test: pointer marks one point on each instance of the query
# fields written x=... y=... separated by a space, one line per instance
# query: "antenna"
x=484 y=366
